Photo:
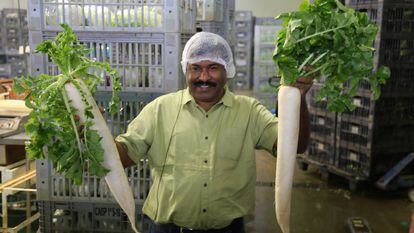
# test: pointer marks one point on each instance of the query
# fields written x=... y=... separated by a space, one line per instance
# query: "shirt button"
x=205 y=161
x=207 y=116
x=204 y=210
x=205 y=184
x=206 y=138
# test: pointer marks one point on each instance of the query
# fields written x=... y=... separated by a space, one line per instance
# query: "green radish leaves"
x=52 y=125
x=336 y=43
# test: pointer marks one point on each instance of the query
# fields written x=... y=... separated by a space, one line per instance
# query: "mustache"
x=207 y=83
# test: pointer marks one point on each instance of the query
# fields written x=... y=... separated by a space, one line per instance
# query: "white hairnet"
x=207 y=46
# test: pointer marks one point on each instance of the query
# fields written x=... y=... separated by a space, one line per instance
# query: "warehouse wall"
x=268 y=8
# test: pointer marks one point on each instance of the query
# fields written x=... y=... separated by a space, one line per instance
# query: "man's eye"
x=214 y=67
x=195 y=69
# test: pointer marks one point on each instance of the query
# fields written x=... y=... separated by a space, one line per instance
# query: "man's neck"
x=206 y=105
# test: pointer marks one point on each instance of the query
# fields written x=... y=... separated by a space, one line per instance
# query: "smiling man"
x=200 y=145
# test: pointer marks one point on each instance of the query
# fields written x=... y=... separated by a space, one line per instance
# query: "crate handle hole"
x=42 y=164
x=43 y=181
x=37 y=69
x=34 y=9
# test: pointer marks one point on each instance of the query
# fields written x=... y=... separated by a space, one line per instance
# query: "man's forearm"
x=123 y=155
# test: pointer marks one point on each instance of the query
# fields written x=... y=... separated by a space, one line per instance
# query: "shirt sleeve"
x=140 y=134
x=265 y=127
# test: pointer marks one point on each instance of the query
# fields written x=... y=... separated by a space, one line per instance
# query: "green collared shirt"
x=206 y=159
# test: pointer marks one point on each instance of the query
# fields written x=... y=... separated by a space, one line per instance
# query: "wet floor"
x=324 y=206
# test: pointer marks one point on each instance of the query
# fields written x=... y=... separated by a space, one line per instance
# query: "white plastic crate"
x=146 y=62
x=266 y=34
x=52 y=186
x=114 y=15
x=211 y=10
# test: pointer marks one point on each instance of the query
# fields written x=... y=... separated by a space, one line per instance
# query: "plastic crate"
x=243 y=44
x=146 y=62
x=397 y=50
x=263 y=87
x=113 y=15
x=11 y=18
x=211 y=10
x=320 y=151
x=5 y=70
x=269 y=21
x=214 y=27
x=268 y=100
x=355 y=164
x=264 y=53
x=84 y=217
x=264 y=70
x=243 y=16
x=242 y=36
x=355 y=133
x=242 y=79
x=266 y=34
x=55 y=187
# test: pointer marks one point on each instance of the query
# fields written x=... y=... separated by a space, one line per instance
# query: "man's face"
x=206 y=81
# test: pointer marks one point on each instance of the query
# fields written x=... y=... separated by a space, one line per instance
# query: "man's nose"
x=204 y=74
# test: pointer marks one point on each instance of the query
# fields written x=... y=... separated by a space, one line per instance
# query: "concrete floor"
x=321 y=206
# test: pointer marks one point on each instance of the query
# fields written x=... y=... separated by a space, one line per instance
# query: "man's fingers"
x=77 y=118
x=102 y=110
x=305 y=80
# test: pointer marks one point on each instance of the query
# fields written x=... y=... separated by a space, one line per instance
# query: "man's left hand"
x=303 y=84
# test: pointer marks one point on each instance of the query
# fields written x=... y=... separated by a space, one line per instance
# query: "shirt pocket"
x=229 y=148
x=184 y=151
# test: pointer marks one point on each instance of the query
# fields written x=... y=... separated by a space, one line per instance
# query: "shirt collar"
x=227 y=99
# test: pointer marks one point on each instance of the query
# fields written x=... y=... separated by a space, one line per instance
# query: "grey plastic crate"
x=243 y=16
x=113 y=15
x=52 y=186
x=242 y=79
x=269 y=100
x=266 y=34
x=266 y=21
x=211 y=10
x=146 y=62
x=11 y=17
x=85 y=217
x=5 y=70
x=264 y=70
x=214 y=27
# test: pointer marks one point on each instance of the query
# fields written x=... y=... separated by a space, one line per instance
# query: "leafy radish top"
x=52 y=125
x=335 y=42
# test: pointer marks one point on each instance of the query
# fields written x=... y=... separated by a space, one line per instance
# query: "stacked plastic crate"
x=321 y=148
x=216 y=16
x=13 y=43
x=374 y=137
x=243 y=50
x=143 y=41
x=265 y=34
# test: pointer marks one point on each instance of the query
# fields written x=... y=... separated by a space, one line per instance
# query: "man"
x=200 y=144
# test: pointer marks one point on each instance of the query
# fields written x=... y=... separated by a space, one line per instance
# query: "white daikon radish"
x=287 y=145
x=116 y=178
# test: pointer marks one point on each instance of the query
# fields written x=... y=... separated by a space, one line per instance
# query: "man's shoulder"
x=245 y=100
x=167 y=100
